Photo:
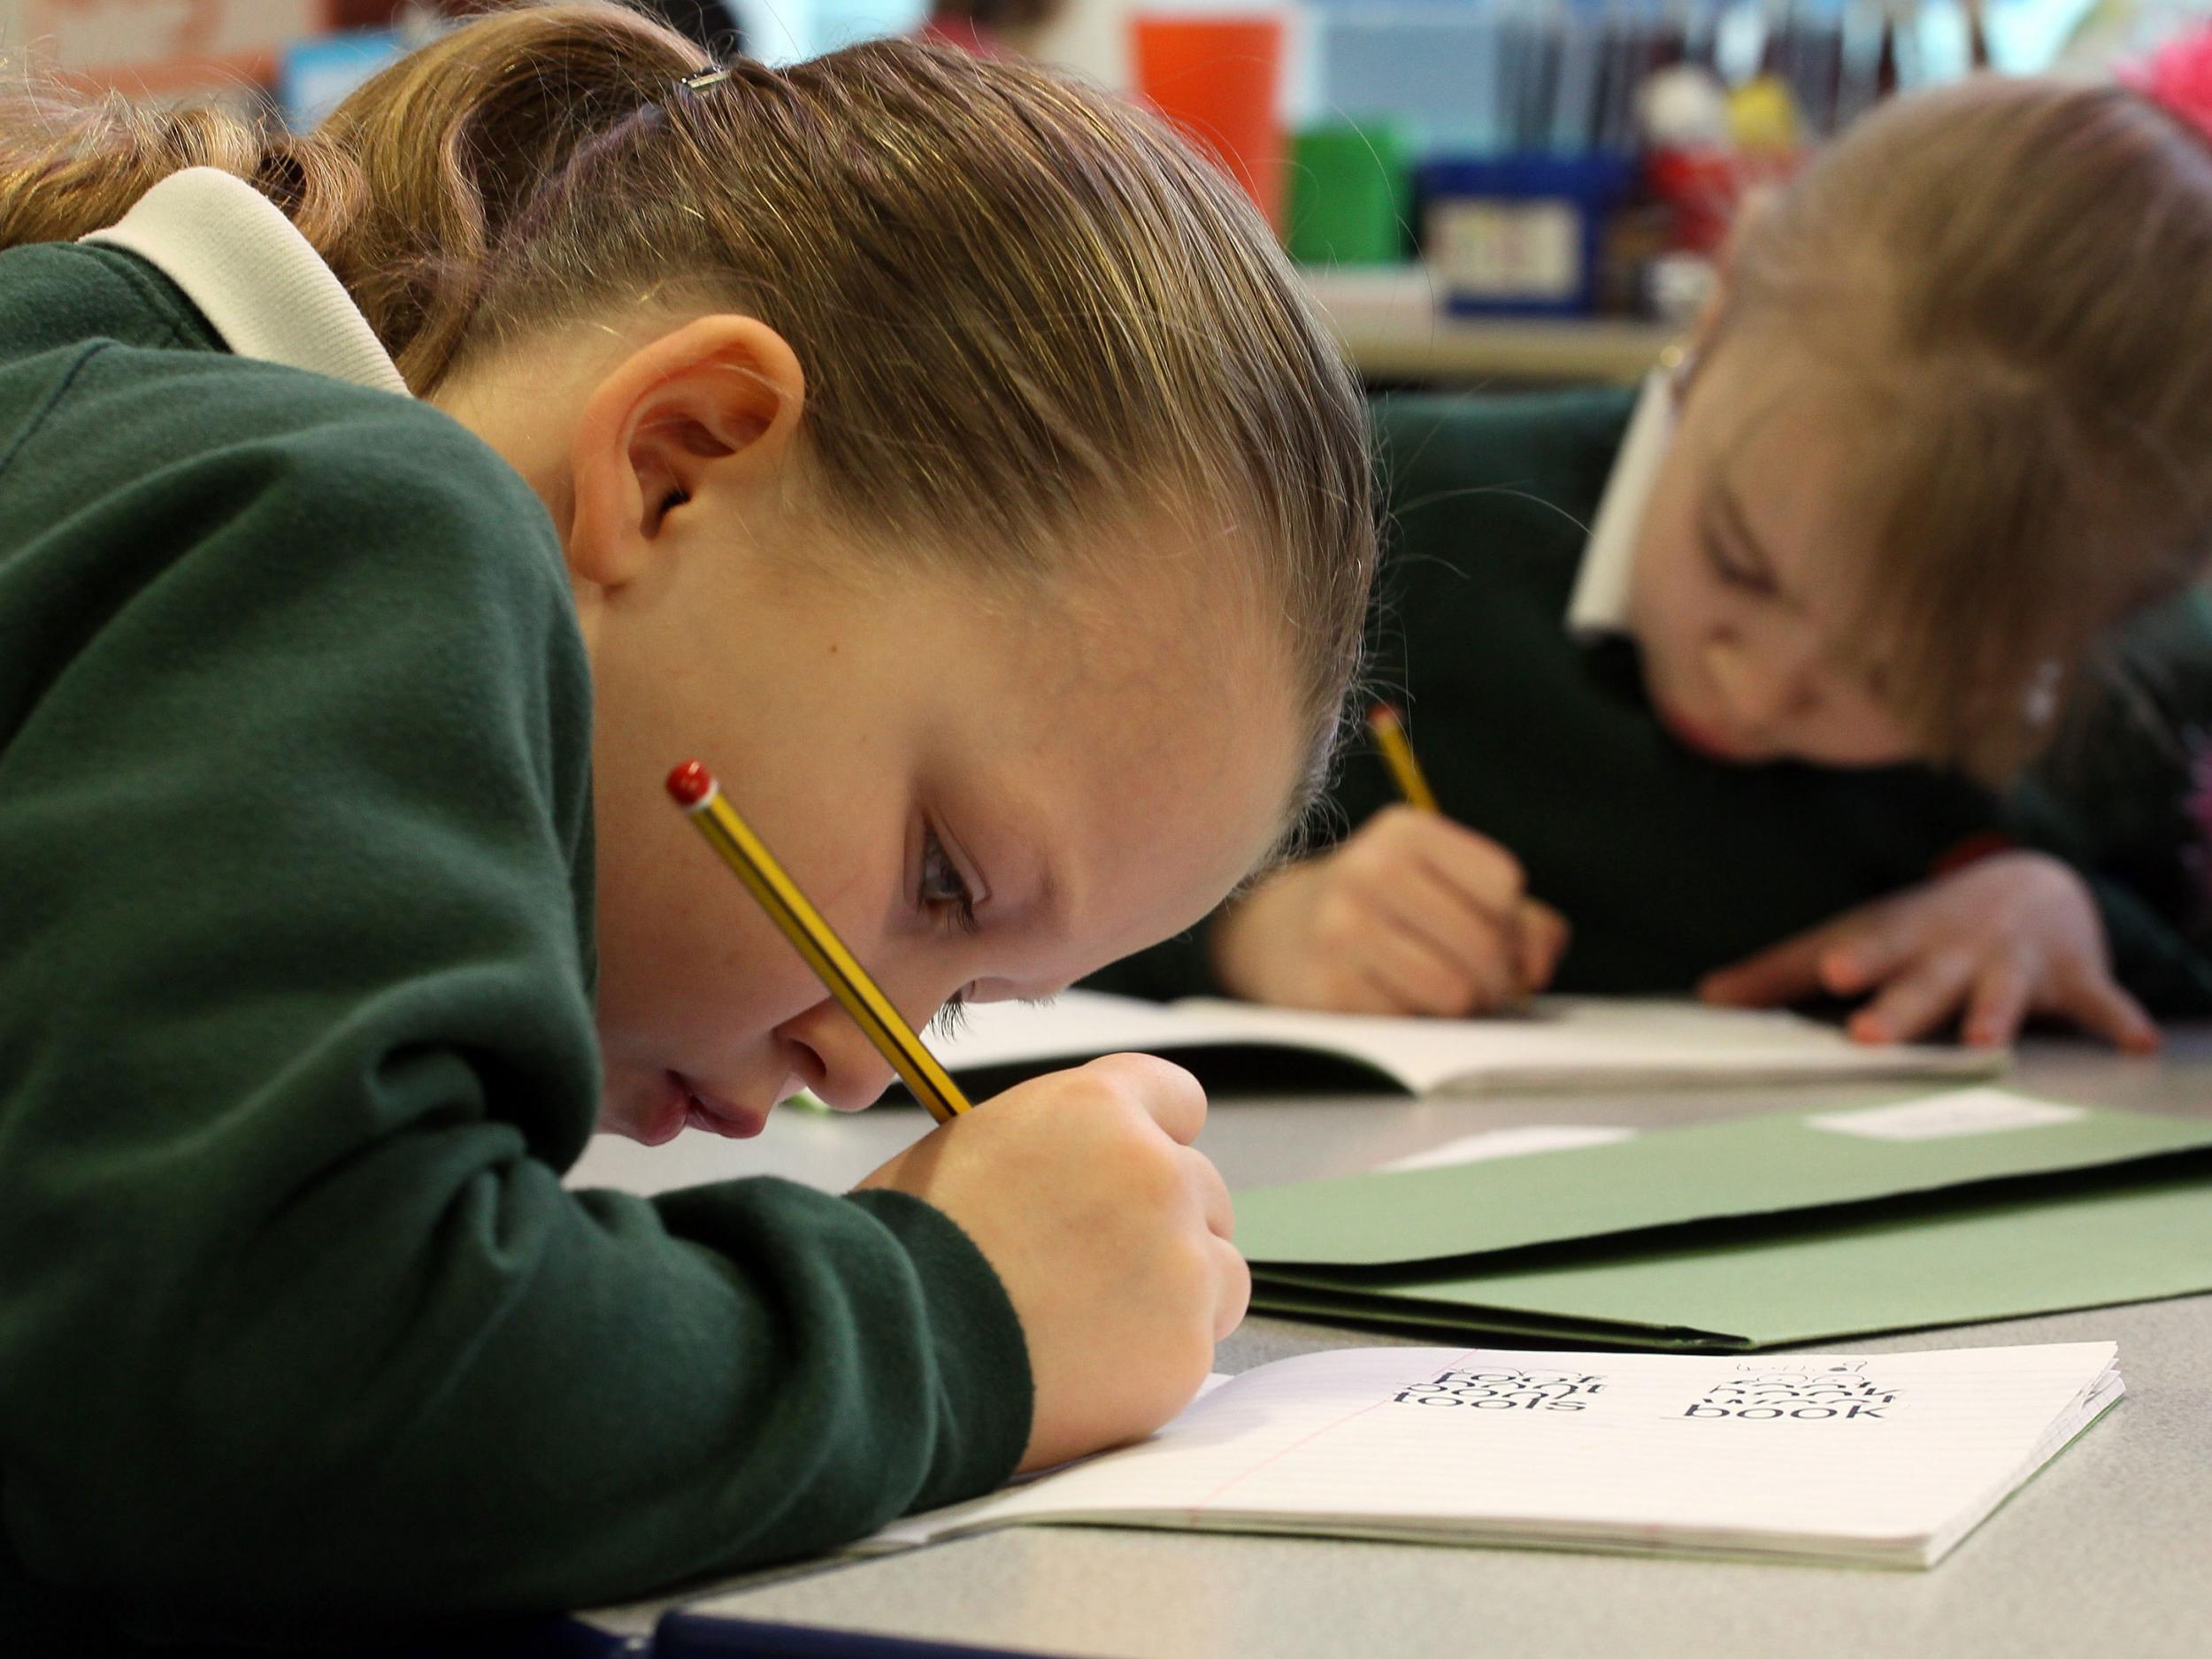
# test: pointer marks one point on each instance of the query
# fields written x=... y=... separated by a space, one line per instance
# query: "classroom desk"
x=2107 y=1551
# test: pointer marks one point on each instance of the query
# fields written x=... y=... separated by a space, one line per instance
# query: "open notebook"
x=1882 y=1460
x=1560 y=1043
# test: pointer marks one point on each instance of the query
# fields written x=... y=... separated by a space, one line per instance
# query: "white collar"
x=259 y=283
x=1600 y=604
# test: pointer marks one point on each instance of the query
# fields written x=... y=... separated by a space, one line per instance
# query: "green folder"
x=1764 y=1231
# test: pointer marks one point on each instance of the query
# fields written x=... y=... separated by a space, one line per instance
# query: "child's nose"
x=1767 y=683
x=837 y=1061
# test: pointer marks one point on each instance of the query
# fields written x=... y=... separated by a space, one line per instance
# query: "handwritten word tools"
x=1871 y=1460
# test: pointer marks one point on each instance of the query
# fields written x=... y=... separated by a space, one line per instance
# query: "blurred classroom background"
x=1482 y=191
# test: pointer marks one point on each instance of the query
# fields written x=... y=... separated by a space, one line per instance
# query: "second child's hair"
x=2013 y=279
x=1024 y=310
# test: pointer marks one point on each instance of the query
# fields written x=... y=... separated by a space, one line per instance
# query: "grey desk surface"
x=2108 y=1552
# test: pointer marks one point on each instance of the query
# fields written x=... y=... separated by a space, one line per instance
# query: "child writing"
x=935 y=449
x=1847 y=569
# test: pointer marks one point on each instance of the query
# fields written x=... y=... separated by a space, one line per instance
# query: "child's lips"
x=1692 y=735
x=715 y=1115
x=680 y=1105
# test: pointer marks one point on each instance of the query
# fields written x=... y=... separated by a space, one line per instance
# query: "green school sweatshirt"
x=298 y=1327
x=1668 y=865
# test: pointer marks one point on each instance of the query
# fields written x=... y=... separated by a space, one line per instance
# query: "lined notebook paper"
x=1872 y=1460
x=1561 y=1042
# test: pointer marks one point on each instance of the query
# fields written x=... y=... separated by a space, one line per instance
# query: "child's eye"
x=1737 y=572
x=1724 y=540
x=944 y=892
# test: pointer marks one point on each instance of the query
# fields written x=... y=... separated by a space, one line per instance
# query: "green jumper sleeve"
x=297 y=1317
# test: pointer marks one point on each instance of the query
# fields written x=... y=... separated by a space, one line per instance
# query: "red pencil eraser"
x=690 y=783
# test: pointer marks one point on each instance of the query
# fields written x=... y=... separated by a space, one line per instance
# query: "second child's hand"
x=1413 y=914
x=2014 y=935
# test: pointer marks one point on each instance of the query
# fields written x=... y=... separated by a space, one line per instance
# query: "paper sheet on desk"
x=1520 y=1142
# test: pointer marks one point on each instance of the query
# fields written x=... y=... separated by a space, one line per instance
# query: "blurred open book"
x=1558 y=1043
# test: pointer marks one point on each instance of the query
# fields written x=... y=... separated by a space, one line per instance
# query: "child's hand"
x=1413 y=915
x=2012 y=935
x=1110 y=1232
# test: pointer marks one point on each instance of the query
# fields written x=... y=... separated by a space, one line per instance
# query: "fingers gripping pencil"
x=695 y=790
x=1396 y=749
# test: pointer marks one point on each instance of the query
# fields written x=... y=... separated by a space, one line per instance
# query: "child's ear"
x=1751 y=214
x=714 y=405
x=1706 y=331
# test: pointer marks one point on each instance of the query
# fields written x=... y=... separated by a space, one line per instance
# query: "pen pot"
x=1219 y=78
x=1348 y=194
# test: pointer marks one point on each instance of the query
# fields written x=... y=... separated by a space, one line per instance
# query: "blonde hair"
x=1022 y=306
x=2013 y=278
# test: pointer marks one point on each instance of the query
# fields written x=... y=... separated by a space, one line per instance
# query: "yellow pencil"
x=1397 y=753
x=694 y=787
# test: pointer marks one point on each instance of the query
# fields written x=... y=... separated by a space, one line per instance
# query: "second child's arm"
x=2014 y=935
x=2100 y=917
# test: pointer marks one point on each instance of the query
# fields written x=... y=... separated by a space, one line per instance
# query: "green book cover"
x=1749 y=1166
x=2128 y=1238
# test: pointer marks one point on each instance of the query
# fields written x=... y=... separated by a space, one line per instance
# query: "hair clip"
x=705 y=79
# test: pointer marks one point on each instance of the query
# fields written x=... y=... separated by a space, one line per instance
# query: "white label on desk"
x=1512 y=1143
x=1967 y=1111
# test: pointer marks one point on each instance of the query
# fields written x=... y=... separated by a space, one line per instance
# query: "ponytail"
x=69 y=165
x=452 y=145
x=409 y=188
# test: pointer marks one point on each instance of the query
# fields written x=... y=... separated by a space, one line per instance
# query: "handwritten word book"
x=1876 y=1460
